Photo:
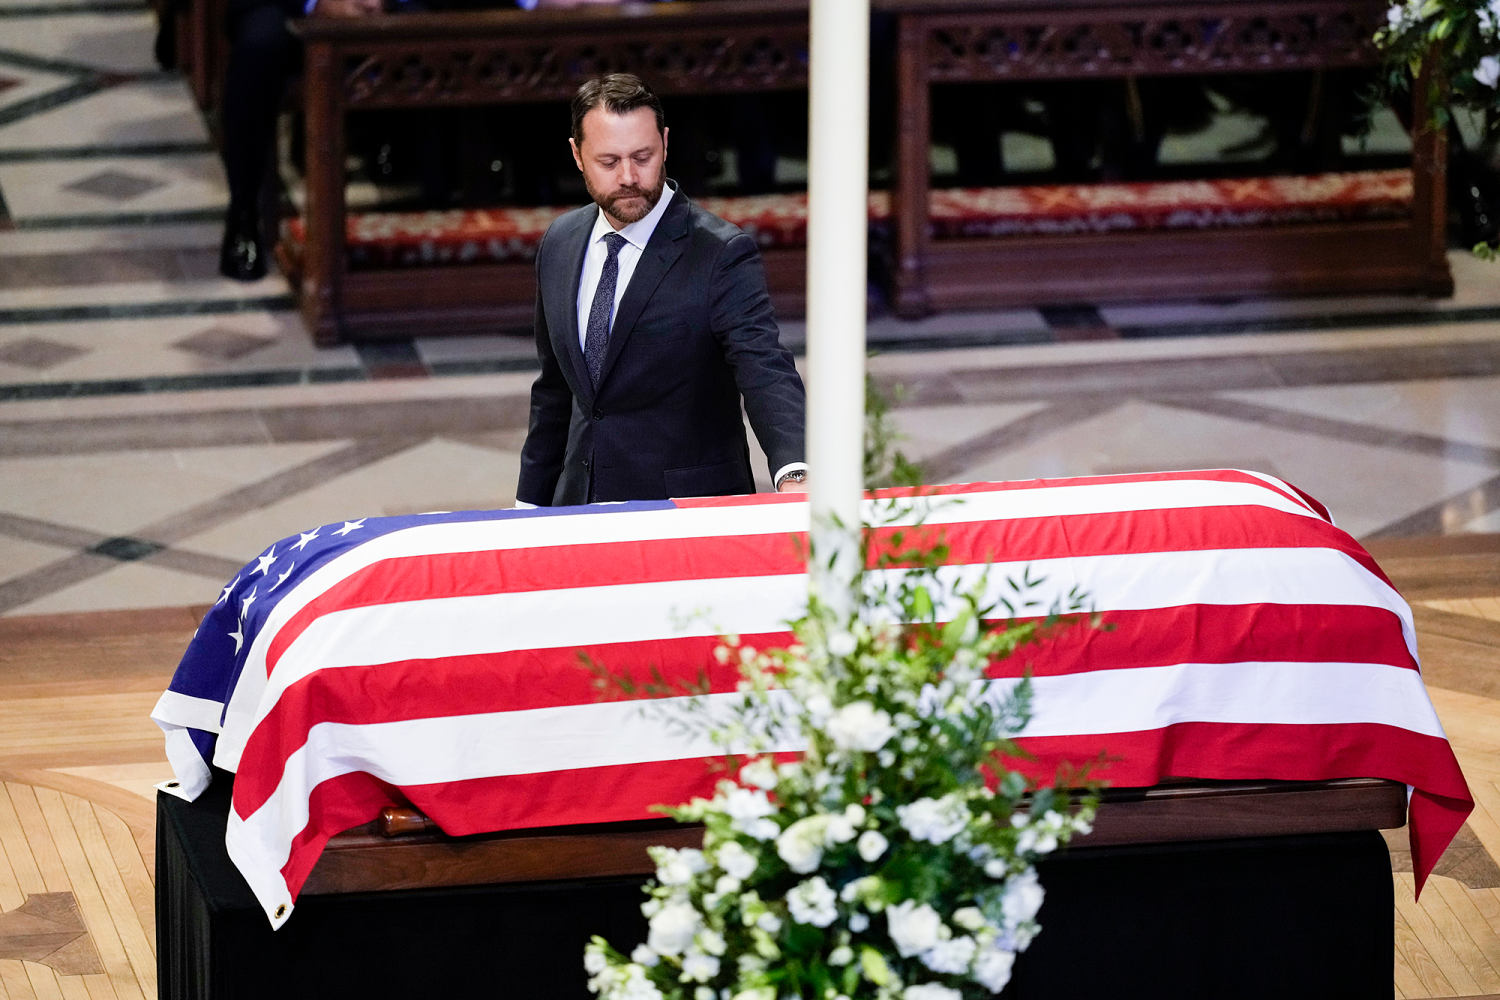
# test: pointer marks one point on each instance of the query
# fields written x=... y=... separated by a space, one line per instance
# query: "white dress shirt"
x=636 y=234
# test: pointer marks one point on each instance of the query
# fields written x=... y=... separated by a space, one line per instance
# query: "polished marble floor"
x=159 y=424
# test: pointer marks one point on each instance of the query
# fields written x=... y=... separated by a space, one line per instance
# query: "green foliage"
x=885 y=465
x=1457 y=43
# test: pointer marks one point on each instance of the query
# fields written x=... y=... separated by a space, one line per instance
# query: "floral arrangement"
x=1457 y=44
x=1457 y=41
x=894 y=858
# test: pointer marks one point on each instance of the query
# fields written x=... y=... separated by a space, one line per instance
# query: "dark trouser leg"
x=261 y=58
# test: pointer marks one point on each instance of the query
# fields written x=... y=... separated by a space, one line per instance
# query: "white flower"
x=768 y=922
x=759 y=773
x=813 y=902
x=935 y=821
x=841 y=644
x=672 y=928
x=992 y=970
x=1488 y=72
x=1022 y=898
x=858 y=923
x=817 y=706
x=801 y=844
x=1393 y=17
x=931 y=991
x=1490 y=19
x=699 y=968
x=996 y=868
x=643 y=955
x=952 y=956
x=970 y=918
x=914 y=927
x=860 y=725
x=677 y=866
x=872 y=845
x=838 y=830
x=711 y=942
x=747 y=809
x=854 y=812
x=703 y=993
x=737 y=862
x=594 y=961
x=630 y=983
x=841 y=956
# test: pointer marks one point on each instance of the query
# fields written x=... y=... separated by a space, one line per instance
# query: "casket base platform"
x=1250 y=890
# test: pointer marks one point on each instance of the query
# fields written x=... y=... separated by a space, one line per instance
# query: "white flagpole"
x=838 y=183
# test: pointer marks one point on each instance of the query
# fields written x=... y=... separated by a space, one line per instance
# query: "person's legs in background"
x=262 y=56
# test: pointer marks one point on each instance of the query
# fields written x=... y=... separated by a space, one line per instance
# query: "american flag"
x=435 y=659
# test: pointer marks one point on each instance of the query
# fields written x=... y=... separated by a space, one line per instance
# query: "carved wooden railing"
x=952 y=41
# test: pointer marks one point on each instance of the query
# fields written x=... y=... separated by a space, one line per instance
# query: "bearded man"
x=653 y=325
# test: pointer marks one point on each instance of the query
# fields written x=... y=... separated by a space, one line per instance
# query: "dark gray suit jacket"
x=694 y=333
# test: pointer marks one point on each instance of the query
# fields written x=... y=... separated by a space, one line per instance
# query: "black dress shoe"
x=241 y=256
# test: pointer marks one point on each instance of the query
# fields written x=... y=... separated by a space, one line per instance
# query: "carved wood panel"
x=1001 y=44
x=496 y=70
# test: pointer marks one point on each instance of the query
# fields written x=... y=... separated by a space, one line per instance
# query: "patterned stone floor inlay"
x=223 y=343
x=115 y=185
x=38 y=353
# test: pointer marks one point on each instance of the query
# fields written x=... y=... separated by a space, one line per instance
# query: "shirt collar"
x=637 y=233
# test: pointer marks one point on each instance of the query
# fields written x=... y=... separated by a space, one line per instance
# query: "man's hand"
x=347 y=8
x=791 y=484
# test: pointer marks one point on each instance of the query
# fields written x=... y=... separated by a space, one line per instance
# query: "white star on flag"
x=239 y=639
x=282 y=578
x=350 y=526
x=224 y=595
x=263 y=563
x=245 y=605
x=305 y=538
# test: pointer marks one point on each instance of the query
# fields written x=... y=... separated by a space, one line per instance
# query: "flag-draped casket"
x=439 y=660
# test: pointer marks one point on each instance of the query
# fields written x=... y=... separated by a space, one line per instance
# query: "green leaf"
x=873 y=964
x=921 y=604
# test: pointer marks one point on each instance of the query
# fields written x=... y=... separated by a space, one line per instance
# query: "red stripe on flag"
x=1217 y=633
x=1238 y=751
x=1131 y=532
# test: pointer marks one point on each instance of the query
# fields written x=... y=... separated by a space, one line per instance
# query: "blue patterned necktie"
x=596 y=338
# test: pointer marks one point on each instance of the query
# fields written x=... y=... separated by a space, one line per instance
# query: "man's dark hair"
x=617 y=93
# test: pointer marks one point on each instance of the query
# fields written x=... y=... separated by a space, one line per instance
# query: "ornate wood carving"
x=487 y=70
x=1103 y=42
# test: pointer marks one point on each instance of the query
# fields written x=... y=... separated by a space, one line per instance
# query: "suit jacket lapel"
x=563 y=299
x=656 y=260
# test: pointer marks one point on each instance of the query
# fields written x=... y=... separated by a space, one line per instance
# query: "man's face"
x=624 y=162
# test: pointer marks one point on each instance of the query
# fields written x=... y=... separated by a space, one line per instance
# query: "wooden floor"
x=78 y=757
